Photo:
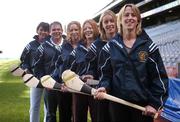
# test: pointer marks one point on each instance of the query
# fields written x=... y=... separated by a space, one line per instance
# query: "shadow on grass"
x=14 y=95
x=14 y=107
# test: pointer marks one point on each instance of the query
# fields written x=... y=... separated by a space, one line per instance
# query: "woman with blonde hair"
x=64 y=62
x=107 y=29
x=82 y=103
x=132 y=69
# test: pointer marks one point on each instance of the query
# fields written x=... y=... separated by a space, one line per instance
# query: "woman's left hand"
x=149 y=111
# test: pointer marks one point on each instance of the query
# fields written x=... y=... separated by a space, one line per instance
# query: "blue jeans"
x=35 y=101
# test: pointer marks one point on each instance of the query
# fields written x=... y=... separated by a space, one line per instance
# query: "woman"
x=132 y=69
x=27 y=57
x=108 y=29
x=89 y=34
x=44 y=64
x=64 y=62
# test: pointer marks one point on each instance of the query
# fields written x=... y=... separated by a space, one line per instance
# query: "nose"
x=109 y=23
x=87 y=29
x=74 y=31
x=130 y=16
x=56 y=30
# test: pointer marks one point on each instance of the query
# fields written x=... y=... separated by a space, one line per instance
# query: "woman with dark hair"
x=44 y=64
x=27 y=57
x=132 y=69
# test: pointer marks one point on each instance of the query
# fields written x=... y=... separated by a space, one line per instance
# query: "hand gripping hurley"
x=73 y=81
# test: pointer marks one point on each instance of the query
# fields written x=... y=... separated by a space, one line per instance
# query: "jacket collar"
x=141 y=39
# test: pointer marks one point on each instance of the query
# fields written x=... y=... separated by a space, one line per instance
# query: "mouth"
x=111 y=28
x=88 y=34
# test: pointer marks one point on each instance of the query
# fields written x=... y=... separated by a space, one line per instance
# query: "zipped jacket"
x=118 y=77
x=63 y=62
x=92 y=57
x=45 y=58
x=28 y=53
x=77 y=57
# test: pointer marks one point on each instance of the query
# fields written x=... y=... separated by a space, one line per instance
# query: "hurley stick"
x=17 y=71
x=29 y=79
x=73 y=81
x=48 y=82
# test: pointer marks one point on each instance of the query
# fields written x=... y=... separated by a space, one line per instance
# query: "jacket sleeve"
x=38 y=62
x=157 y=76
x=91 y=59
x=25 y=58
x=72 y=61
x=105 y=68
x=56 y=73
x=67 y=62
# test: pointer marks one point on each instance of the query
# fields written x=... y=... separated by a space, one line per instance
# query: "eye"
x=41 y=30
x=112 y=20
x=126 y=14
x=133 y=15
x=105 y=21
x=85 y=29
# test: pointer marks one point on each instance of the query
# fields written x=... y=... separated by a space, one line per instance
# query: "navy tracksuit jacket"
x=117 y=71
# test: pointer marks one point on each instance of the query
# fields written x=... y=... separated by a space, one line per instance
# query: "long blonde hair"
x=101 y=29
x=137 y=14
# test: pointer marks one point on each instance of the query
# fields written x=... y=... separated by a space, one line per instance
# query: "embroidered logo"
x=143 y=55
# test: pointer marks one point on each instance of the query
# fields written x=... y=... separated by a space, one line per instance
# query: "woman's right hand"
x=64 y=88
x=99 y=93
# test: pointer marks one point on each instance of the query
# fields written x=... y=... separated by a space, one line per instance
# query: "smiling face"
x=74 y=32
x=129 y=20
x=88 y=31
x=42 y=33
x=109 y=24
x=56 y=31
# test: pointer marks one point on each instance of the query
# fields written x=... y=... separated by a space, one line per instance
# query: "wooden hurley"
x=48 y=82
x=31 y=81
x=73 y=81
x=17 y=71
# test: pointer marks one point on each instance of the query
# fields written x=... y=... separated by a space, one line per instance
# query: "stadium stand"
x=167 y=37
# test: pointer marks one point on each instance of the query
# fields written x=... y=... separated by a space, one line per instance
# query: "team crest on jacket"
x=142 y=55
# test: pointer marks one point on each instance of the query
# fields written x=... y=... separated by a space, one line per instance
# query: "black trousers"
x=122 y=113
x=81 y=105
x=56 y=99
x=103 y=114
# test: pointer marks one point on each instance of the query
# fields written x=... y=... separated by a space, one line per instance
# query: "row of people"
x=118 y=53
